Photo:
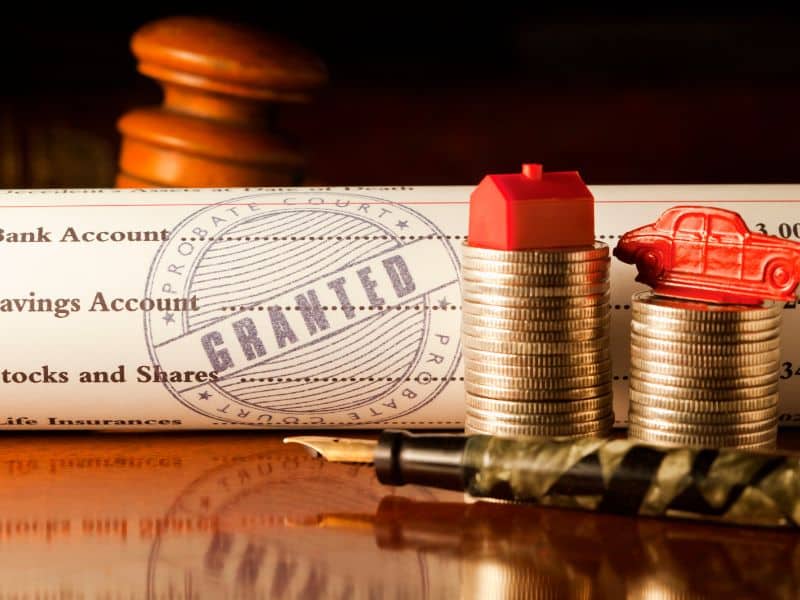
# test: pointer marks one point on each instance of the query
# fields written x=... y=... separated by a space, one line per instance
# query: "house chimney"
x=532 y=171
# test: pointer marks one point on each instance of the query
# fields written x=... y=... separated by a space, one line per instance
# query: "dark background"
x=441 y=97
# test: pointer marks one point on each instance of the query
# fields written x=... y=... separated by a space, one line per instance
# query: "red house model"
x=531 y=210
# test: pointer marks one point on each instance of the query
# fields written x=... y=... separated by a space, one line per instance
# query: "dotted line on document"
x=262 y=308
x=341 y=238
x=363 y=379
x=320 y=238
x=353 y=424
x=342 y=379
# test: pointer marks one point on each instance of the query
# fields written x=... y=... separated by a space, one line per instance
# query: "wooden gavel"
x=217 y=125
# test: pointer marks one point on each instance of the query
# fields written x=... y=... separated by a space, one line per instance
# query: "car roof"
x=668 y=217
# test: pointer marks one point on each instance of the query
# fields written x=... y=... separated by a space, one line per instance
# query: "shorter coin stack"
x=704 y=374
x=536 y=342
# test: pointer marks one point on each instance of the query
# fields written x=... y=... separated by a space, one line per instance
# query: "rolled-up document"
x=277 y=307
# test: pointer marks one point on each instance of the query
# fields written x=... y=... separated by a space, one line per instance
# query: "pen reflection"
x=514 y=551
x=242 y=516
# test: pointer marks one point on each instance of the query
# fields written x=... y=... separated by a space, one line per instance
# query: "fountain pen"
x=604 y=475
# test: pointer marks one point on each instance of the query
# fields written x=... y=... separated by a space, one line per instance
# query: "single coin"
x=501 y=432
x=529 y=268
x=480 y=314
x=702 y=360
x=507 y=359
x=526 y=292
x=715 y=419
x=764 y=447
x=535 y=347
x=565 y=334
x=701 y=337
x=708 y=441
x=713 y=349
x=695 y=393
x=528 y=428
x=578 y=254
x=540 y=395
x=515 y=280
x=553 y=324
x=670 y=426
x=537 y=383
x=495 y=427
x=540 y=418
x=516 y=407
x=534 y=291
x=766 y=401
x=708 y=326
x=704 y=380
x=547 y=308
x=652 y=304
x=524 y=302
x=480 y=367
x=702 y=372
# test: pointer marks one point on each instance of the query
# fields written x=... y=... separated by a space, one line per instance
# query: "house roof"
x=532 y=183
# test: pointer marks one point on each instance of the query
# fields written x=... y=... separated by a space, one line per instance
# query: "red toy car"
x=709 y=254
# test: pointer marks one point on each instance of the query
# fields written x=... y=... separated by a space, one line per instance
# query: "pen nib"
x=337 y=449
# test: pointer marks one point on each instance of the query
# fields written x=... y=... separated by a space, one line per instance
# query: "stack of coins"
x=536 y=341
x=704 y=374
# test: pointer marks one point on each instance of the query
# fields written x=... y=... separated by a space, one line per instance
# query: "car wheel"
x=650 y=261
x=780 y=275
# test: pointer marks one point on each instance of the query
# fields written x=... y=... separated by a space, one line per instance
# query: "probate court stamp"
x=317 y=308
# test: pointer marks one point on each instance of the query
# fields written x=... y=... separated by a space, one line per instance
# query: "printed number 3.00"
x=785 y=230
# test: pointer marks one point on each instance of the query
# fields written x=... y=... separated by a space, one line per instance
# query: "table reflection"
x=513 y=551
x=243 y=516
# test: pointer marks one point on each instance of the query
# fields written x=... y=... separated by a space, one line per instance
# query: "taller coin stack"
x=704 y=374
x=536 y=341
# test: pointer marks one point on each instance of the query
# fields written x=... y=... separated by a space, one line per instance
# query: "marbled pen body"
x=624 y=477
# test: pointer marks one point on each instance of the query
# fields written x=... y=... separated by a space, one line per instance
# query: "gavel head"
x=221 y=84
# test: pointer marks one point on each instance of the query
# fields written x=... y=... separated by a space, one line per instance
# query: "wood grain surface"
x=245 y=516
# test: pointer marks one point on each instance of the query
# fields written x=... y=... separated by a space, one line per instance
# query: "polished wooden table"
x=245 y=516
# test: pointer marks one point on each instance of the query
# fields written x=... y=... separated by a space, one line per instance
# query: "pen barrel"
x=623 y=477
x=435 y=460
